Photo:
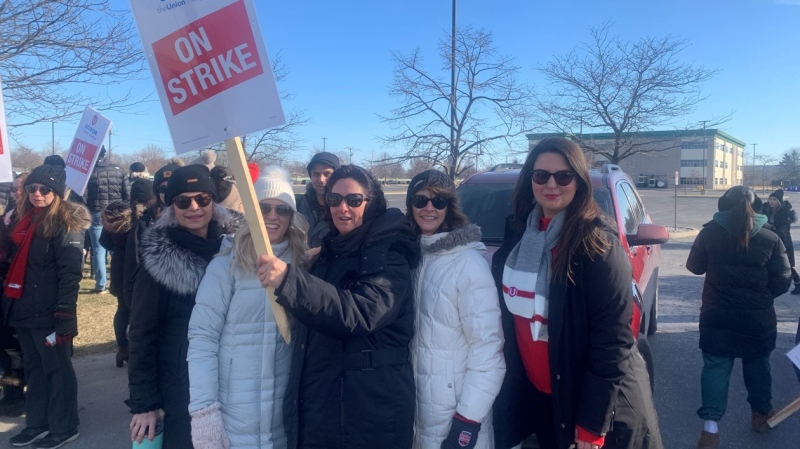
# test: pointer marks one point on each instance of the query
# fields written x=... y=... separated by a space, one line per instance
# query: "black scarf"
x=203 y=247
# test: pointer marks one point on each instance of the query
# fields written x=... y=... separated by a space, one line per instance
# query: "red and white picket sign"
x=210 y=68
x=85 y=148
x=5 y=154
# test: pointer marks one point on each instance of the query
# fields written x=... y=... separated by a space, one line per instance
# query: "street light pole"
x=323 y=143
x=453 y=91
x=705 y=162
x=754 y=168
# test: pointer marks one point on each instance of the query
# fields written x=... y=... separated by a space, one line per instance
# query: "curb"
x=683 y=234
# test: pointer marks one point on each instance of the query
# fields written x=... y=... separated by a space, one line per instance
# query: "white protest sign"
x=794 y=356
x=210 y=68
x=85 y=148
x=5 y=152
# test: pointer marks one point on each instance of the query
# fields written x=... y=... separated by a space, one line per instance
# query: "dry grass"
x=95 y=319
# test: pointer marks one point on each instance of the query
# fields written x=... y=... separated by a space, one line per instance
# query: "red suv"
x=486 y=199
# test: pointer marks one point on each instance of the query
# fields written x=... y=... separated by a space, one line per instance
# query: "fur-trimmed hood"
x=172 y=266
x=77 y=217
x=458 y=237
x=117 y=217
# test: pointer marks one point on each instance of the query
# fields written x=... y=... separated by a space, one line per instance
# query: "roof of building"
x=678 y=133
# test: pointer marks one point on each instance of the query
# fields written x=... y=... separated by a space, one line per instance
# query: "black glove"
x=66 y=324
x=463 y=434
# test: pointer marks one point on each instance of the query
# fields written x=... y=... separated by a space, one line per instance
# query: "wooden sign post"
x=784 y=413
x=252 y=212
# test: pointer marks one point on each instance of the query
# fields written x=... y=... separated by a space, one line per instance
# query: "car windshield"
x=487 y=205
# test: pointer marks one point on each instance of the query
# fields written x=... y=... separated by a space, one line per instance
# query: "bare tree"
x=58 y=56
x=491 y=105
x=764 y=160
x=623 y=88
x=417 y=166
x=152 y=156
x=25 y=158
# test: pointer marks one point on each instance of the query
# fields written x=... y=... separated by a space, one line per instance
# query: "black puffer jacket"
x=782 y=219
x=52 y=274
x=352 y=383
x=131 y=261
x=737 y=318
x=114 y=237
x=165 y=285
x=107 y=183
x=598 y=379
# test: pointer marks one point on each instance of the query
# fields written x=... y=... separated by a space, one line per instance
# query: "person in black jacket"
x=174 y=253
x=781 y=216
x=40 y=297
x=107 y=183
x=746 y=268
x=351 y=384
x=573 y=373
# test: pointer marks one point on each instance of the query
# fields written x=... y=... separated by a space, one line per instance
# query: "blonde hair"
x=296 y=235
x=57 y=214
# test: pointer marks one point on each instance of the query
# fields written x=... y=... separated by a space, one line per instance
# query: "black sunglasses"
x=563 y=177
x=44 y=190
x=281 y=210
x=184 y=201
x=162 y=189
x=420 y=201
x=352 y=199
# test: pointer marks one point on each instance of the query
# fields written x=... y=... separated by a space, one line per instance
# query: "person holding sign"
x=352 y=383
x=41 y=292
x=238 y=361
x=174 y=253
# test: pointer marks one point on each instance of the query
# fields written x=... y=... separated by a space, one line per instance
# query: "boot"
x=13 y=402
x=759 y=421
x=122 y=356
x=708 y=440
x=796 y=290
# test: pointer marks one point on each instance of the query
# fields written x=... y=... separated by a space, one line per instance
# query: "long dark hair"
x=738 y=201
x=454 y=218
x=580 y=233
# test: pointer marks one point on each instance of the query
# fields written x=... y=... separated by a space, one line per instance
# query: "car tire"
x=644 y=349
x=653 y=327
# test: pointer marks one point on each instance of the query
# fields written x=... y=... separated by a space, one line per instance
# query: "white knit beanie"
x=273 y=183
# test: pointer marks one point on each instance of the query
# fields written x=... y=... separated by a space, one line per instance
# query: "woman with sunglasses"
x=458 y=344
x=41 y=293
x=174 y=253
x=238 y=361
x=352 y=383
x=574 y=375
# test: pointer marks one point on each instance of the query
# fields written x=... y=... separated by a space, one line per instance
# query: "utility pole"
x=109 y=145
x=754 y=168
x=350 y=157
x=53 y=137
x=705 y=162
x=453 y=90
x=323 y=143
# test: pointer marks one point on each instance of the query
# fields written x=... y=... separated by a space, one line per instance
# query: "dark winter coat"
x=107 y=183
x=599 y=380
x=52 y=274
x=316 y=215
x=165 y=284
x=6 y=198
x=352 y=382
x=782 y=220
x=131 y=261
x=114 y=238
x=737 y=318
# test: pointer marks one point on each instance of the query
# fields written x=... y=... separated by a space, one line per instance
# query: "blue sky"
x=339 y=58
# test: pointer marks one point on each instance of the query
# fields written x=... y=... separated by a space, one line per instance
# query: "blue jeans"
x=98 y=253
x=716 y=377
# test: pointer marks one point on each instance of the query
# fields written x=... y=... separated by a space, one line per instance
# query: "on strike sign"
x=5 y=155
x=210 y=67
x=85 y=148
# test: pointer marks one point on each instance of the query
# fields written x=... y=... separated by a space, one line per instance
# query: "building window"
x=692 y=181
x=692 y=145
x=691 y=163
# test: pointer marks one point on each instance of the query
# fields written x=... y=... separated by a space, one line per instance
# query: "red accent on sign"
x=516 y=292
x=2 y=150
x=207 y=57
x=81 y=155
x=94 y=120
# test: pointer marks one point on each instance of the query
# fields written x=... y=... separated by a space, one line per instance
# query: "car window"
x=636 y=202
x=629 y=214
x=487 y=205
x=602 y=197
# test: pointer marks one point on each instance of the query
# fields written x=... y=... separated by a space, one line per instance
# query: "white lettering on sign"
x=202 y=76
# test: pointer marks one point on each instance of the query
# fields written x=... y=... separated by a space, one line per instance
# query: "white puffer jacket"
x=237 y=356
x=458 y=346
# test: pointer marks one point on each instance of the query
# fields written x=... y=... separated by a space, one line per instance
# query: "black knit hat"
x=329 y=159
x=190 y=178
x=735 y=195
x=428 y=179
x=162 y=175
x=778 y=195
x=55 y=159
x=142 y=190
x=51 y=176
x=137 y=167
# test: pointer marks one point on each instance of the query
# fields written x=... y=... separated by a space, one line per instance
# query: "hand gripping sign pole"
x=255 y=221
x=214 y=80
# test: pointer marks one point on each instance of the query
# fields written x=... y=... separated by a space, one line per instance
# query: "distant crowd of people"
x=402 y=335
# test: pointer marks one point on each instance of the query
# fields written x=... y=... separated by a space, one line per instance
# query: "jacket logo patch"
x=512 y=292
x=167 y=173
x=191 y=180
x=464 y=438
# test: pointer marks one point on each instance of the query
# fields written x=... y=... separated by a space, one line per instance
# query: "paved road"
x=104 y=418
